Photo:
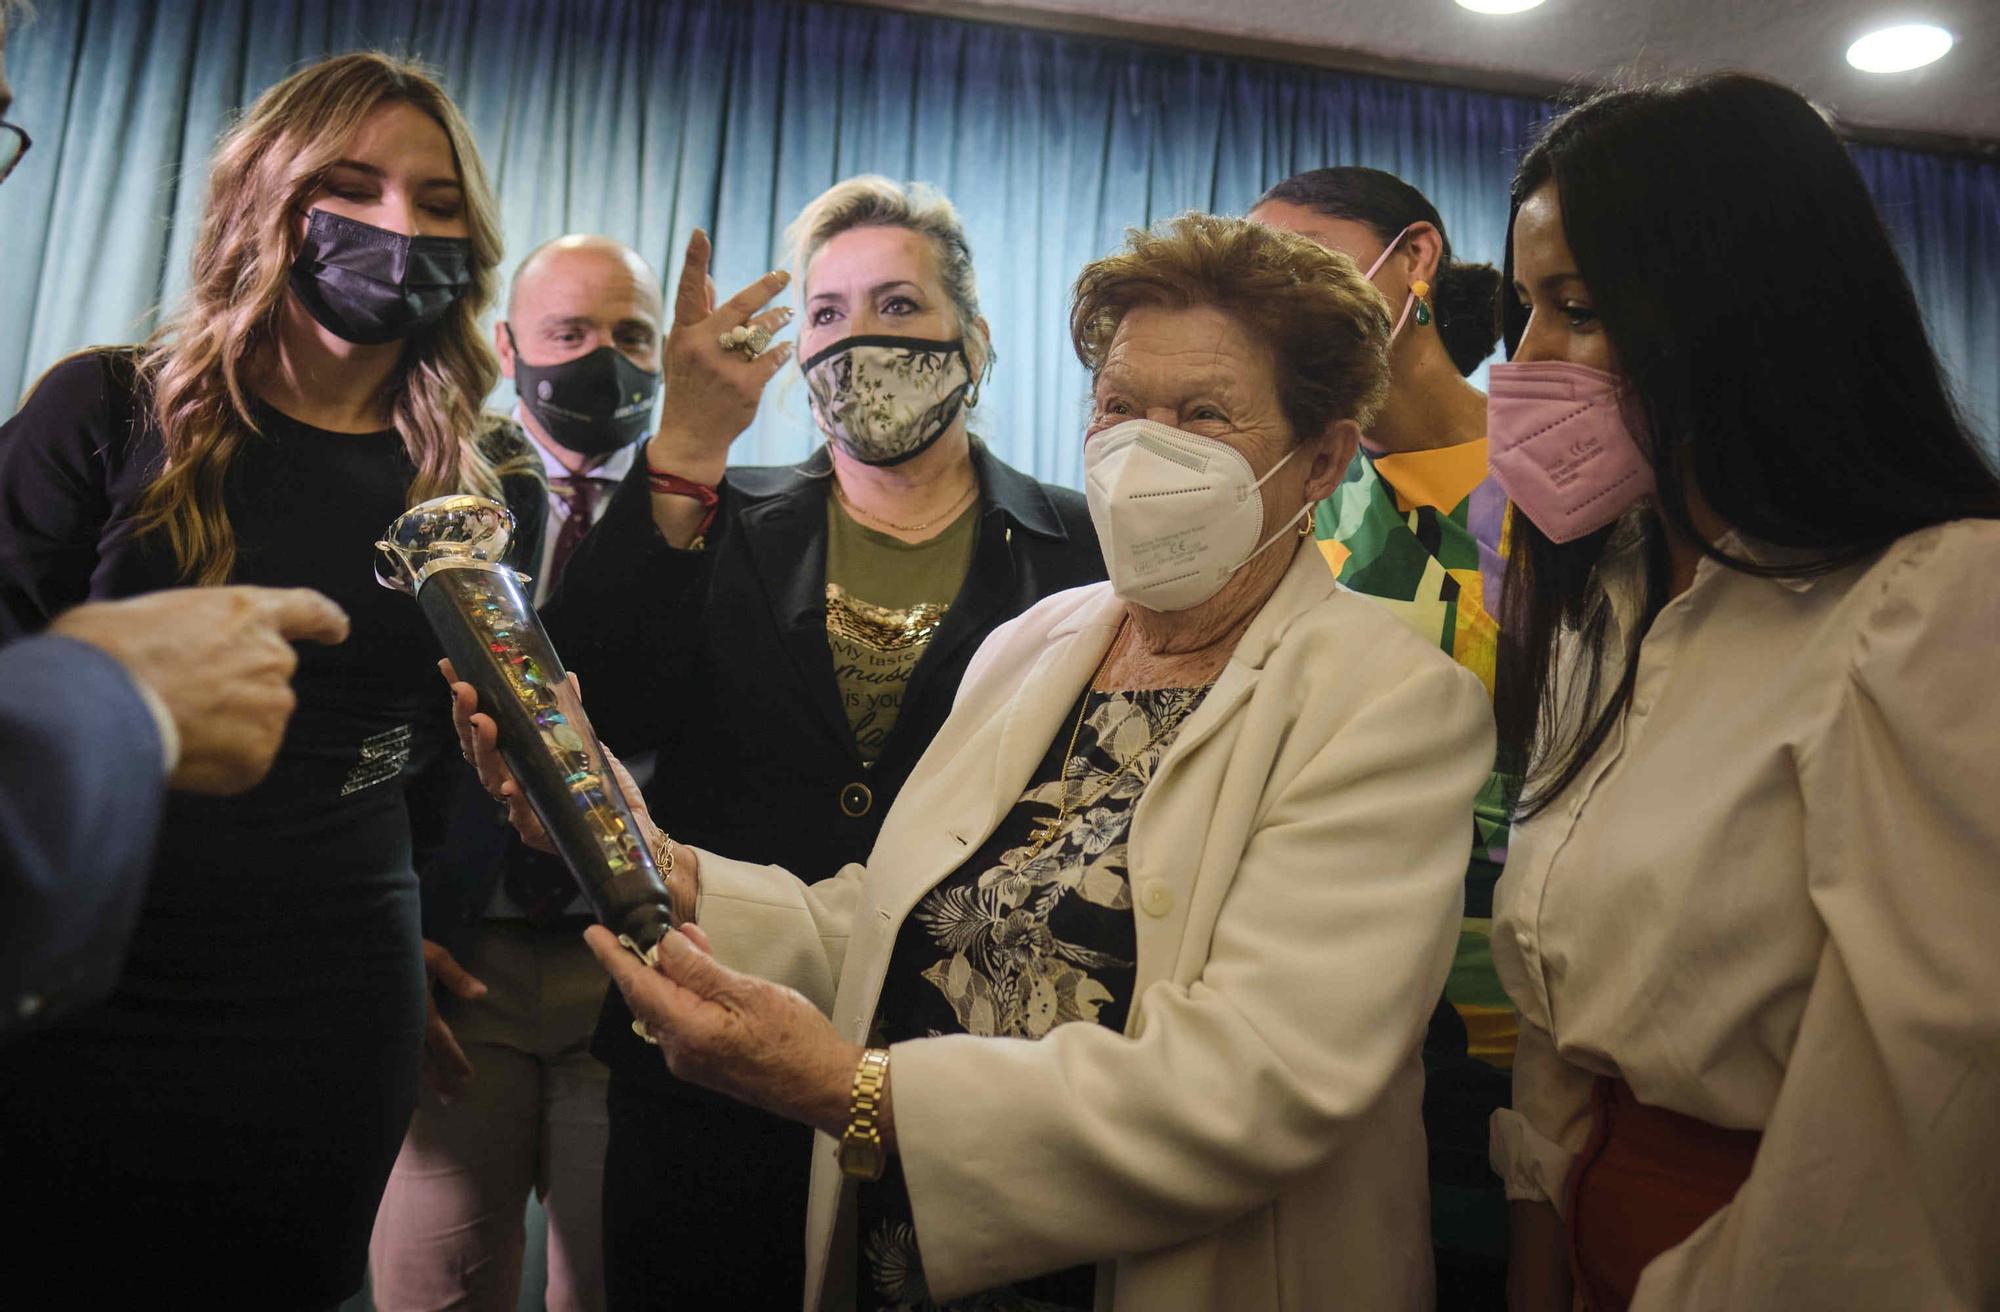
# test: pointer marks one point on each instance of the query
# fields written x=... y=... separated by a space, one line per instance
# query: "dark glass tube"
x=497 y=644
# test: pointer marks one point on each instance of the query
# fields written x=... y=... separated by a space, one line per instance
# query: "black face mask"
x=593 y=405
x=368 y=285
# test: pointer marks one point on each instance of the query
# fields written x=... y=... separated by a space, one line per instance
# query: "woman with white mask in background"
x=1126 y=1000
x=788 y=640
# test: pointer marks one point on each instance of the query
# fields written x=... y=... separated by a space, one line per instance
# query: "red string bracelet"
x=676 y=486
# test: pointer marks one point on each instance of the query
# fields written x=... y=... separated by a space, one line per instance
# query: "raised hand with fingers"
x=712 y=389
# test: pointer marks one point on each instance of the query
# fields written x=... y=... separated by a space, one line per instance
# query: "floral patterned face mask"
x=886 y=399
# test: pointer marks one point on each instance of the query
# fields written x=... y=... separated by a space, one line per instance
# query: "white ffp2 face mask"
x=1176 y=513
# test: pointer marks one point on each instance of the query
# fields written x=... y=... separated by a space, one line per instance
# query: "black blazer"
x=716 y=660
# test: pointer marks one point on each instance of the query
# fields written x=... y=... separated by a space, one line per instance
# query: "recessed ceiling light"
x=1897 y=49
x=1499 y=6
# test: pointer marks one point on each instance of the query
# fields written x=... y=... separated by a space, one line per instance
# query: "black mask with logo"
x=369 y=285
x=593 y=405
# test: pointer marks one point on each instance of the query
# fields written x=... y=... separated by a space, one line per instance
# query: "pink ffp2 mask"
x=1560 y=448
x=1375 y=268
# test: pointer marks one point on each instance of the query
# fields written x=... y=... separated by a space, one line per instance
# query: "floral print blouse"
x=1017 y=941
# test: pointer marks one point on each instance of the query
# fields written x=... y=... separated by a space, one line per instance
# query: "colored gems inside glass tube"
x=555 y=711
x=450 y=553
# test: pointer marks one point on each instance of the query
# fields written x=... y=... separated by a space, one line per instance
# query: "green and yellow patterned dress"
x=1420 y=531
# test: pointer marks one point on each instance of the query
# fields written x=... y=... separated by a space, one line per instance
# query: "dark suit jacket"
x=81 y=792
x=717 y=661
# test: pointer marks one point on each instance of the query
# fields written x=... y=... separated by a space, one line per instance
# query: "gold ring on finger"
x=746 y=340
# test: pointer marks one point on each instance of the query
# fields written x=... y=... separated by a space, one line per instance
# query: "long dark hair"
x=1775 y=351
x=1462 y=295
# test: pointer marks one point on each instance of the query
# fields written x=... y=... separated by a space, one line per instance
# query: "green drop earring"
x=1421 y=289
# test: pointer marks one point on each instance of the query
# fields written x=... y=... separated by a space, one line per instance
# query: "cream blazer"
x=1772 y=901
x=1253 y=1139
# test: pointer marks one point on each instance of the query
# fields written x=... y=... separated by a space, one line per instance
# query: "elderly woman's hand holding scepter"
x=478 y=743
x=756 y=1041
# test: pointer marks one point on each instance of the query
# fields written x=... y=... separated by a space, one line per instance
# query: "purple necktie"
x=579 y=494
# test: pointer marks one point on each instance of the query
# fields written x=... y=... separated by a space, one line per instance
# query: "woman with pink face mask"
x=1749 y=912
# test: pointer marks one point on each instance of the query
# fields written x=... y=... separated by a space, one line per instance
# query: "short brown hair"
x=1326 y=326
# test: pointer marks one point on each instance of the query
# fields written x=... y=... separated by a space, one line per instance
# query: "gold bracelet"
x=862 y=1154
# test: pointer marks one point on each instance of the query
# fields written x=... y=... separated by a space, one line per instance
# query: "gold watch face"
x=862 y=1157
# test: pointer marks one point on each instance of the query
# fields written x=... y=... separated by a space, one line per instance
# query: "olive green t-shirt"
x=884 y=600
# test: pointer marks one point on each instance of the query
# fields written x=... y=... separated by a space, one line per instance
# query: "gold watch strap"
x=863 y=1154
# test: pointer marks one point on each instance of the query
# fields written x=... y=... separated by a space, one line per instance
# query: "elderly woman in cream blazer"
x=1123 y=1010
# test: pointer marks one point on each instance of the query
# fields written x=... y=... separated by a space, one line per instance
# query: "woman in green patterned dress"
x=1417 y=525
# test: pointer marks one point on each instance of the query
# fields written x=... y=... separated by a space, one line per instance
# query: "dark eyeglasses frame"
x=26 y=141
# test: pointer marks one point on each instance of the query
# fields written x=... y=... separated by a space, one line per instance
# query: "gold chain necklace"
x=956 y=506
x=1052 y=829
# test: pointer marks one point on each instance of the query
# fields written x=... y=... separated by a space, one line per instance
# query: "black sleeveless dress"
x=219 y=1130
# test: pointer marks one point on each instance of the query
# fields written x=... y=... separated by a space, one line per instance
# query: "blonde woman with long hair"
x=225 y=1121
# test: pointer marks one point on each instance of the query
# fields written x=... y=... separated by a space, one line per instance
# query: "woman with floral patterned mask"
x=807 y=627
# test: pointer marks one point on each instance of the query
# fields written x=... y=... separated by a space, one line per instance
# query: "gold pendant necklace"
x=1050 y=830
x=956 y=506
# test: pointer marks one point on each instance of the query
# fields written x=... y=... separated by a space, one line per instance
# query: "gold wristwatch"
x=862 y=1154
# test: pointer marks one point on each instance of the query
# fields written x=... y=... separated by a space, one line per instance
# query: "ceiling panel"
x=1803 y=42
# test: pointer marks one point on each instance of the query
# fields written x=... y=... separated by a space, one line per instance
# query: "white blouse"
x=1772 y=901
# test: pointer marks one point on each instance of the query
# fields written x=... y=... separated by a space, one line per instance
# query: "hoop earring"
x=1306 y=527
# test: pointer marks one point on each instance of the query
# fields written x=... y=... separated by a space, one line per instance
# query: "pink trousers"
x=450 y=1231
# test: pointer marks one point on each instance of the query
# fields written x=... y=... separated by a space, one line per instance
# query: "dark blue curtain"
x=646 y=119
x=1944 y=214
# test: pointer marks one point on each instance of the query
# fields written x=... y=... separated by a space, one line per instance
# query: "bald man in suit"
x=513 y=1099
